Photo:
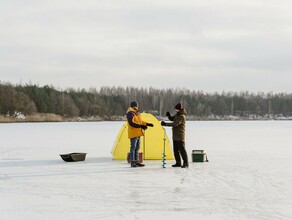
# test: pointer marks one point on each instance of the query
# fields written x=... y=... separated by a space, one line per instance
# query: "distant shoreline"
x=38 y=118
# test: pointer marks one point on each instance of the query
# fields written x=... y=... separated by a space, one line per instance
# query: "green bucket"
x=199 y=156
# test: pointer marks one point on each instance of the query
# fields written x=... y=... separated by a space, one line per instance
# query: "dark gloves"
x=144 y=127
x=167 y=114
x=163 y=123
x=150 y=124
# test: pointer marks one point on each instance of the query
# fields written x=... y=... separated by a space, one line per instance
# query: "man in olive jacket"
x=178 y=135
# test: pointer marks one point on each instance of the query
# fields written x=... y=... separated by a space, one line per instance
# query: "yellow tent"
x=152 y=143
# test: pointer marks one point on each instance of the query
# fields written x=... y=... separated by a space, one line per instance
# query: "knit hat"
x=134 y=104
x=178 y=106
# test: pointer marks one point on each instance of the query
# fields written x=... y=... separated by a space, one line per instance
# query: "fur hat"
x=178 y=106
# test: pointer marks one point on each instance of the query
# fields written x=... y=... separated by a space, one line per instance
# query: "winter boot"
x=139 y=164
x=133 y=164
x=176 y=165
x=185 y=165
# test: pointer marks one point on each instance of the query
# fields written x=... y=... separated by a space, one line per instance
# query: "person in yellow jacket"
x=136 y=127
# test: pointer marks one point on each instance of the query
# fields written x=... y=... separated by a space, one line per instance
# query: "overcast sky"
x=210 y=45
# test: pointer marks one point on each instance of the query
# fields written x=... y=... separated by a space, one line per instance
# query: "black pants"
x=179 y=151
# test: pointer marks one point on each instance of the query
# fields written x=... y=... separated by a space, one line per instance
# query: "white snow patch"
x=248 y=176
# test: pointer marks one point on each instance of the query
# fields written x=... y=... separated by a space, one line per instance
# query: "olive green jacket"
x=178 y=125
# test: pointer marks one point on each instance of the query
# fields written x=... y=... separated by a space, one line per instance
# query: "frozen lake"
x=248 y=176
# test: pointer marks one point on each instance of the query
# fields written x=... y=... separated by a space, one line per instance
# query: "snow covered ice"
x=248 y=176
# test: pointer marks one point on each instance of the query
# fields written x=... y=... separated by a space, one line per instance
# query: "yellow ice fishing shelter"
x=151 y=145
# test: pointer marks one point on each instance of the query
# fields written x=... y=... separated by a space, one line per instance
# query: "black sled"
x=73 y=157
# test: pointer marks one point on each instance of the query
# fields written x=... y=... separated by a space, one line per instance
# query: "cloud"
x=203 y=44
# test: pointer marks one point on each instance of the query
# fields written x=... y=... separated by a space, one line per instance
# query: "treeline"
x=111 y=102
